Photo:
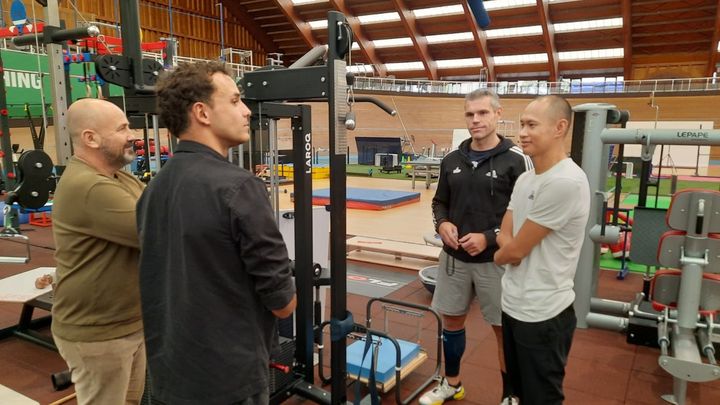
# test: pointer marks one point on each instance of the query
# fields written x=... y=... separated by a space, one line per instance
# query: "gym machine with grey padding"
x=688 y=294
x=677 y=309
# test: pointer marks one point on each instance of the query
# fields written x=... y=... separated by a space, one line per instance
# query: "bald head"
x=100 y=134
x=556 y=108
x=89 y=114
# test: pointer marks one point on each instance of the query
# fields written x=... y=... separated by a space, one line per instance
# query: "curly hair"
x=180 y=88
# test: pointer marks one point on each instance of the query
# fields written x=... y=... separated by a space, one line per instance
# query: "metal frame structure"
x=329 y=83
x=592 y=154
x=302 y=82
x=679 y=333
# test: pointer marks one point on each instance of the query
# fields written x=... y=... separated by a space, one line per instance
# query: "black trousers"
x=535 y=356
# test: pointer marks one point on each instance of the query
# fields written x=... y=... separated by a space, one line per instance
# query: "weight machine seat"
x=671 y=242
x=665 y=288
x=678 y=215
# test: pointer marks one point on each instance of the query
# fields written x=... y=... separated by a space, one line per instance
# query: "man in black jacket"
x=214 y=270
x=473 y=192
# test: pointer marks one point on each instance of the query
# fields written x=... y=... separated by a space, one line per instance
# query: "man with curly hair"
x=214 y=270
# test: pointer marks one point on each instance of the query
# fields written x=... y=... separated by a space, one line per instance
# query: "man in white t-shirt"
x=540 y=240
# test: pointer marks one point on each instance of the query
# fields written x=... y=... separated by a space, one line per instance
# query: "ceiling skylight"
x=360 y=68
x=378 y=18
x=392 y=42
x=318 y=24
x=454 y=37
x=589 y=25
x=458 y=63
x=520 y=59
x=500 y=4
x=438 y=11
x=299 y=2
x=514 y=32
x=592 y=54
x=391 y=67
x=364 y=19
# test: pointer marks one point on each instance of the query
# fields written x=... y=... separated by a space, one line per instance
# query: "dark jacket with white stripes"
x=475 y=197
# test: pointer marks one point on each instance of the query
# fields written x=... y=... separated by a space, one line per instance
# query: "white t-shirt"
x=541 y=286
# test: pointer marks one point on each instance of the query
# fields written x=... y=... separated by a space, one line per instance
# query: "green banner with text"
x=25 y=74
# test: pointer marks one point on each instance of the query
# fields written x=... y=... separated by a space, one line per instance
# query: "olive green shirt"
x=97 y=296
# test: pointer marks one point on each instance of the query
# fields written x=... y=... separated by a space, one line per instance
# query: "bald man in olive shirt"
x=97 y=324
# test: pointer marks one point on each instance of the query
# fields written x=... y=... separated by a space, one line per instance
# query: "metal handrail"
x=438 y=87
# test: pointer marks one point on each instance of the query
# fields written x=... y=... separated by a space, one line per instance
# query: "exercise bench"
x=20 y=288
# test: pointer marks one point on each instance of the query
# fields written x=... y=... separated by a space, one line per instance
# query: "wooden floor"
x=603 y=368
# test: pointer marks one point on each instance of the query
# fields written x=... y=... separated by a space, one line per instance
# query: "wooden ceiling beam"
x=640 y=3
x=713 y=60
x=663 y=10
x=302 y=27
x=673 y=21
x=419 y=41
x=241 y=13
x=549 y=38
x=627 y=39
x=685 y=33
x=480 y=42
x=669 y=41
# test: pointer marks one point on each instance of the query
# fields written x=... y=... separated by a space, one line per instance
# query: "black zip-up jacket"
x=475 y=198
x=213 y=266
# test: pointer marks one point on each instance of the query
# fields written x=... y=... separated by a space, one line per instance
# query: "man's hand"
x=474 y=243
x=449 y=234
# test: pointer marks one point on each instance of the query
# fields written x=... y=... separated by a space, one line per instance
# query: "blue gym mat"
x=385 y=366
x=372 y=196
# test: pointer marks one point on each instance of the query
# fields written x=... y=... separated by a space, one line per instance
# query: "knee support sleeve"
x=454 y=347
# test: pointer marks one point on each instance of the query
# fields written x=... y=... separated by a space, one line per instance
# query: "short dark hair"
x=178 y=89
x=481 y=93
